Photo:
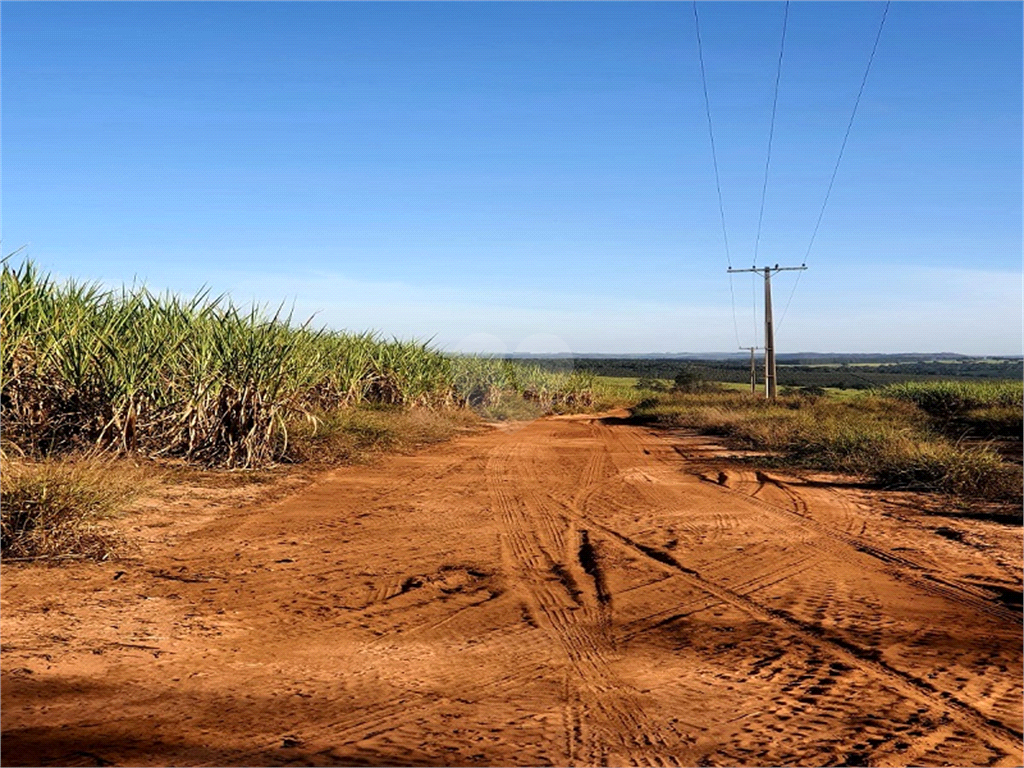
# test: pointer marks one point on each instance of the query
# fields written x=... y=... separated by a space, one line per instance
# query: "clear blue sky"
x=529 y=176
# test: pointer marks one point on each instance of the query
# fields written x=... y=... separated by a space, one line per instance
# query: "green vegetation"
x=655 y=385
x=885 y=437
x=968 y=409
x=691 y=379
x=825 y=372
x=498 y=387
x=950 y=398
x=208 y=382
x=611 y=392
x=90 y=371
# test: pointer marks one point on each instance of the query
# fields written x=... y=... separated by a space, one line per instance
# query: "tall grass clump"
x=52 y=509
x=201 y=379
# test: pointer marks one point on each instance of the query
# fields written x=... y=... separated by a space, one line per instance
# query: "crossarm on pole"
x=770 y=379
x=763 y=270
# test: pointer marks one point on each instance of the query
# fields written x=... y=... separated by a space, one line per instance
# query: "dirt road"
x=577 y=591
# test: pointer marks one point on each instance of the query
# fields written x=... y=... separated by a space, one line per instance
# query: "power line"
x=842 y=148
x=771 y=131
x=790 y=299
x=839 y=159
x=714 y=162
x=735 y=323
x=711 y=132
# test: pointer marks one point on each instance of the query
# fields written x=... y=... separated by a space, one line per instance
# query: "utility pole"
x=770 y=387
x=753 y=370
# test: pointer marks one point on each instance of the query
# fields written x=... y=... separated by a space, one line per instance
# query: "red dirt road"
x=575 y=592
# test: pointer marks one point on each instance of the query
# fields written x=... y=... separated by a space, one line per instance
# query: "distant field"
x=854 y=375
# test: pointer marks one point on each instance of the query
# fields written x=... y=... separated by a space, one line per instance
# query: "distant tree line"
x=842 y=376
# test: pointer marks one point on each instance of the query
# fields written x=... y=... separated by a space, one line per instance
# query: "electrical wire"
x=839 y=159
x=846 y=136
x=753 y=306
x=714 y=162
x=735 y=322
x=771 y=131
x=711 y=132
x=789 y=300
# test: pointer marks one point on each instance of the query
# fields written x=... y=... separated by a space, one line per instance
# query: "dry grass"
x=512 y=407
x=56 y=509
x=889 y=440
x=357 y=434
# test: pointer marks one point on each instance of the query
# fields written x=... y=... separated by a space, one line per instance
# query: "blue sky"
x=530 y=176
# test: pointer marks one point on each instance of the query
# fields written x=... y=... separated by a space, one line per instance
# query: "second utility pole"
x=753 y=370
x=770 y=386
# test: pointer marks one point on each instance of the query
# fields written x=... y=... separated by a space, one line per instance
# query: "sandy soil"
x=576 y=591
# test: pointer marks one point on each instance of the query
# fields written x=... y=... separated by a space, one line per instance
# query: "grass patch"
x=610 y=392
x=511 y=407
x=888 y=439
x=356 y=434
x=54 y=509
x=992 y=422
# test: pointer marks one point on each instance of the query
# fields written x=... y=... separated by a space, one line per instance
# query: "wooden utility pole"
x=753 y=370
x=770 y=386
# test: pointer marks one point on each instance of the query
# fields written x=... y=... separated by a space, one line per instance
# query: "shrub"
x=353 y=434
x=652 y=385
x=980 y=409
x=688 y=379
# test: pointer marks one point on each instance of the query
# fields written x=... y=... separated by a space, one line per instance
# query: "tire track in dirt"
x=851 y=548
x=928 y=578
x=922 y=576
x=561 y=593
x=377 y=719
x=603 y=715
x=898 y=680
x=905 y=683
x=664 y=558
x=332 y=738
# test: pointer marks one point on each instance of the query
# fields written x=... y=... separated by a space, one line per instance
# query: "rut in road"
x=606 y=720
